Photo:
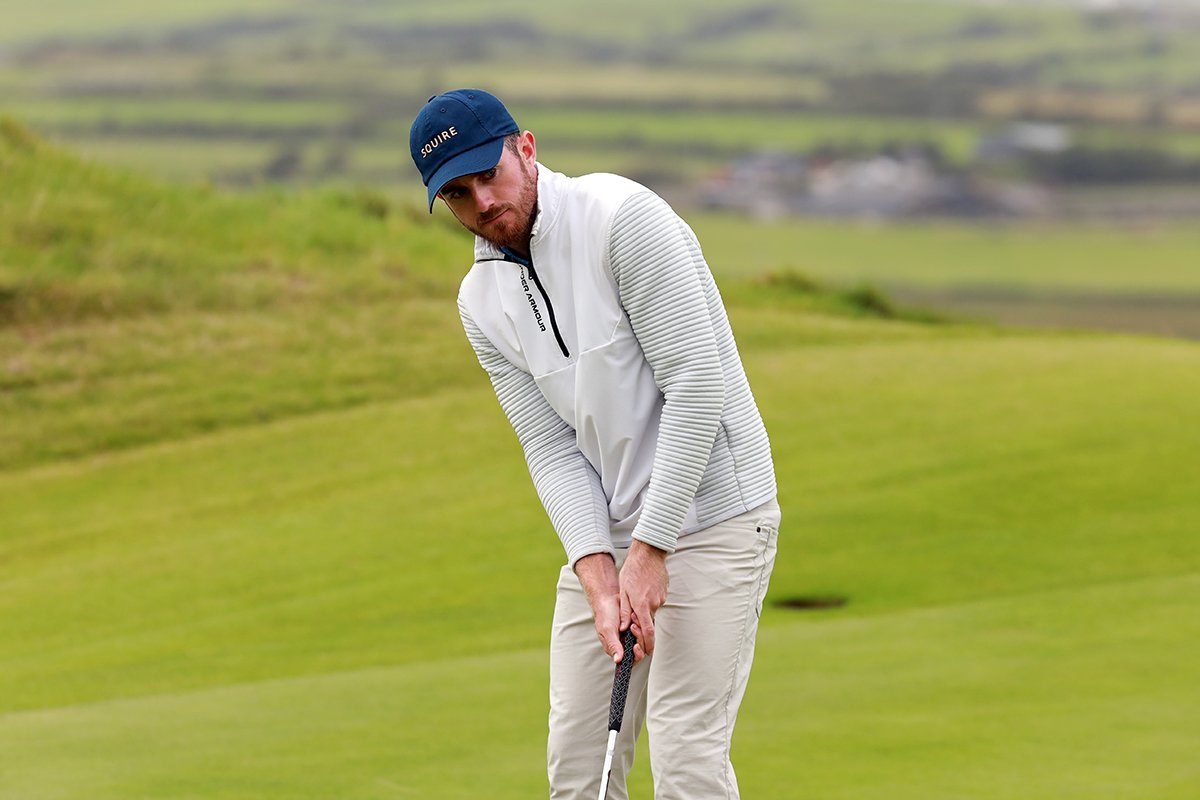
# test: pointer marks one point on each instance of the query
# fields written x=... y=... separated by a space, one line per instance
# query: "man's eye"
x=491 y=173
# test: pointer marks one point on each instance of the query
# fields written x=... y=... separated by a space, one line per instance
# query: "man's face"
x=499 y=204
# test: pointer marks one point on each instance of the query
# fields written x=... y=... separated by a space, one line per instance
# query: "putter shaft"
x=608 y=759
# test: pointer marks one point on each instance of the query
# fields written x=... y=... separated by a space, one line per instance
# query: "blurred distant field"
x=310 y=93
x=1134 y=278
x=1154 y=258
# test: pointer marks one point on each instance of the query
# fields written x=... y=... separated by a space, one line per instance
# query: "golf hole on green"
x=823 y=602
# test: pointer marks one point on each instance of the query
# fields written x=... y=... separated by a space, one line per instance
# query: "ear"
x=527 y=147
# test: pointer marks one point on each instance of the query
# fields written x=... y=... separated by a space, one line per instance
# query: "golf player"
x=592 y=310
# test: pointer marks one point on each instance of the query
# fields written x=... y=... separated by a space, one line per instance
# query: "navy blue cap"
x=458 y=133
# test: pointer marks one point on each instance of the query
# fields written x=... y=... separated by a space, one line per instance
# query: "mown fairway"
x=355 y=604
x=264 y=532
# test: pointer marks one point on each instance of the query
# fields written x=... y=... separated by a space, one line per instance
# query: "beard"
x=517 y=226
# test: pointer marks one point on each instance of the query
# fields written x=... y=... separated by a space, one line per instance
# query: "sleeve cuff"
x=572 y=558
x=662 y=542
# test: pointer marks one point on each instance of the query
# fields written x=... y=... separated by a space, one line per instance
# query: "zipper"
x=512 y=257
x=549 y=312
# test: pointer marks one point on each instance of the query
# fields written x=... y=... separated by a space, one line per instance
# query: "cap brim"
x=477 y=159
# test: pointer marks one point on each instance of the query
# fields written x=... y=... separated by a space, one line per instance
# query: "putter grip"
x=616 y=710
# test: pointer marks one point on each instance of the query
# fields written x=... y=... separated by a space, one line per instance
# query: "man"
x=594 y=314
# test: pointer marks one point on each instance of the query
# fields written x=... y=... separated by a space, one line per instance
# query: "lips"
x=494 y=217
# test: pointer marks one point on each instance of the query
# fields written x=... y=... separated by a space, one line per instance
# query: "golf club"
x=616 y=709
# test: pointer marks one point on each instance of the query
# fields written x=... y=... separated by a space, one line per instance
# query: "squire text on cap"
x=437 y=140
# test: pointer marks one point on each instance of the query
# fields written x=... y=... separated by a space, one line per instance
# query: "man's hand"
x=598 y=575
x=643 y=588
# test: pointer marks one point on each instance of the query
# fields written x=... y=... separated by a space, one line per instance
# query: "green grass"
x=1178 y=143
x=33 y=19
x=792 y=132
x=293 y=610
x=1102 y=259
x=265 y=533
x=229 y=251
x=198 y=111
x=122 y=300
x=565 y=80
x=180 y=159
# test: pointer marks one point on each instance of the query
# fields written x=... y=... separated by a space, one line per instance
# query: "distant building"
x=1022 y=139
x=774 y=185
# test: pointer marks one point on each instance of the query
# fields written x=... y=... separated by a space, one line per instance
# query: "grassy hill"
x=132 y=311
x=264 y=532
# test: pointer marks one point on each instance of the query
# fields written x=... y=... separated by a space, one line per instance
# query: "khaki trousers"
x=688 y=692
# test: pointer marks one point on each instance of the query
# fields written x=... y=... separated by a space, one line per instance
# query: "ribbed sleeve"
x=668 y=293
x=569 y=488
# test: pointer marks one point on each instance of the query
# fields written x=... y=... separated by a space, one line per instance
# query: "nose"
x=484 y=198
